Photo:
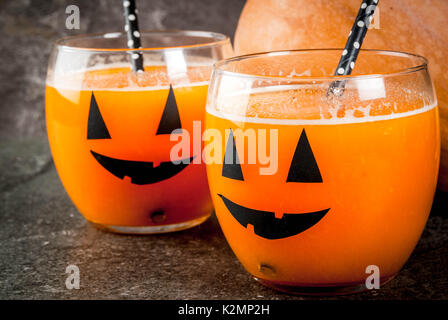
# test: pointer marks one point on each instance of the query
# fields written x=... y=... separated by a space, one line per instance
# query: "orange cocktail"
x=352 y=183
x=111 y=135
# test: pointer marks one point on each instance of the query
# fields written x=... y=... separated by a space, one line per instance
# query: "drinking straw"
x=133 y=34
x=353 y=45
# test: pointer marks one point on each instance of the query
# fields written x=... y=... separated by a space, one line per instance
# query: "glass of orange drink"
x=318 y=192
x=111 y=130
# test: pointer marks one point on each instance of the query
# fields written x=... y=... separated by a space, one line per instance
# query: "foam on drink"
x=308 y=104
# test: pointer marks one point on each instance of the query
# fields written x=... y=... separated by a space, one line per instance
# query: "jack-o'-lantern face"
x=303 y=169
x=140 y=172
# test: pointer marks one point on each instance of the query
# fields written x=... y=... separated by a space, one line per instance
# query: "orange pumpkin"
x=417 y=26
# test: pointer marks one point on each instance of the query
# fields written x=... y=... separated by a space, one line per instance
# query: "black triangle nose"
x=170 y=118
x=231 y=167
x=304 y=167
x=96 y=127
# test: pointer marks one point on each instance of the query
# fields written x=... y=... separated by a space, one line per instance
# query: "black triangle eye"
x=304 y=166
x=96 y=128
x=231 y=165
x=170 y=118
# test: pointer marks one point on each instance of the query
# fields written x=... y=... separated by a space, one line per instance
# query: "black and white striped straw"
x=133 y=34
x=353 y=45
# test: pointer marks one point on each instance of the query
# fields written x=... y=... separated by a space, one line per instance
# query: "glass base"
x=151 y=229
x=320 y=290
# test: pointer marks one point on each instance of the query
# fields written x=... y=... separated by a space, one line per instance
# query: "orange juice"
x=366 y=201
x=109 y=135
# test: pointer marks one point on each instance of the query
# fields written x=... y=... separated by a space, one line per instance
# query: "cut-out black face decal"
x=96 y=128
x=231 y=164
x=170 y=118
x=304 y=166
x=303 y=169
x=140 y=172
x=267 y=226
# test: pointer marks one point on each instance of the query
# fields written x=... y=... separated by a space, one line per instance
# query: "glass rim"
x=219 y=66
x=217 y=39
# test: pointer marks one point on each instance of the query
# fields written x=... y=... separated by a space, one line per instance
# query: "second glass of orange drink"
x=110 y=128
x=319 y=193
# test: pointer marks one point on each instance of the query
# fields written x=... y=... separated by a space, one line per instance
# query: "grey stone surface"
x=28 y=27
x=41 y=233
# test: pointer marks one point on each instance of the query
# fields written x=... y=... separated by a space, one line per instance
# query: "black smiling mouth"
x=267 y=226
x=140 y=172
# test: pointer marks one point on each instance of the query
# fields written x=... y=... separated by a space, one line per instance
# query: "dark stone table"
x=41 y=233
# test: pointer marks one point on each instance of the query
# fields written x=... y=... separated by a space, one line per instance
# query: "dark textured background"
x=41 y=231
x=28 y=27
